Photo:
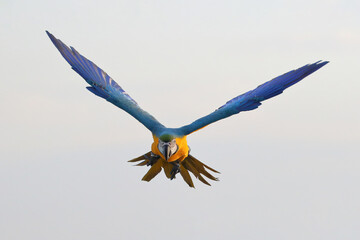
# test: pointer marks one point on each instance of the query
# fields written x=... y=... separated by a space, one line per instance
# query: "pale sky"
x=289 y=170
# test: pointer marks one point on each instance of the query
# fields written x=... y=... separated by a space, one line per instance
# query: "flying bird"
x=170 y=150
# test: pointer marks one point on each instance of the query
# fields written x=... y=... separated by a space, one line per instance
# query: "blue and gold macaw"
x=170 y=150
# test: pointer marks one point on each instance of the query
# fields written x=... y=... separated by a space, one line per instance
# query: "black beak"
x=167 y=152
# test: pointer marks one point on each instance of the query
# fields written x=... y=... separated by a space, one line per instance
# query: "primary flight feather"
x=170 y=151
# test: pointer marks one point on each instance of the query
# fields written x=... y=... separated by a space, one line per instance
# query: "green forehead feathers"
x=166 y=138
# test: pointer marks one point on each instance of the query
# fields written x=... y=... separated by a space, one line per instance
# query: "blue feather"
x=252 y=99
x=97 y=92
x=104 y=86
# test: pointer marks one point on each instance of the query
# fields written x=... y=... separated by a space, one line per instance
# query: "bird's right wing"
x=252 y=99
x=104 y=86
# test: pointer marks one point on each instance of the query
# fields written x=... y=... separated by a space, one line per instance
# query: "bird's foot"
x=152 y=159
x=175 y=170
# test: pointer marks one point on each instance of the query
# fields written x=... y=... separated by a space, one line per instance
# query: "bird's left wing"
x=252 y=99
x=104 y=86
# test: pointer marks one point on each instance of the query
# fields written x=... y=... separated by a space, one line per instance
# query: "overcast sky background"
x=289 y=170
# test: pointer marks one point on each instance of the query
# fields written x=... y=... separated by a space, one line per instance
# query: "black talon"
x=175 y=169
x=152 y=159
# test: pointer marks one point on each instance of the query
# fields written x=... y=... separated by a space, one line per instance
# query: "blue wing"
x=104 y=86
x=252 y=99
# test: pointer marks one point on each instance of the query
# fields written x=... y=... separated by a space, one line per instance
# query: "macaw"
x=170 y=150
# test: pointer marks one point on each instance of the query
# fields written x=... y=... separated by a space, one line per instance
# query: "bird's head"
x=170 y=148
x=167 y=146
x=167 y=149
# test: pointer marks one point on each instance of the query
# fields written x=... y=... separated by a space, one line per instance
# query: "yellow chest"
x=181 y=153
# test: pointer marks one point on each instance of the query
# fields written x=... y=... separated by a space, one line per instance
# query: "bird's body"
x=179 y=155
x=170 y=150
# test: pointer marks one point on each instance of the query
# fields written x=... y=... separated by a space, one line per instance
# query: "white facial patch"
x=172 y=147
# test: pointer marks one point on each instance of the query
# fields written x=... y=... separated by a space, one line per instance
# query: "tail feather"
x=142 y=157
x=197 y=168
x=167 y=168
x=153 y=171
x=186 y=176
x=143 y=163
x=211 y=169
x=188 y=165
x=200 y=167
